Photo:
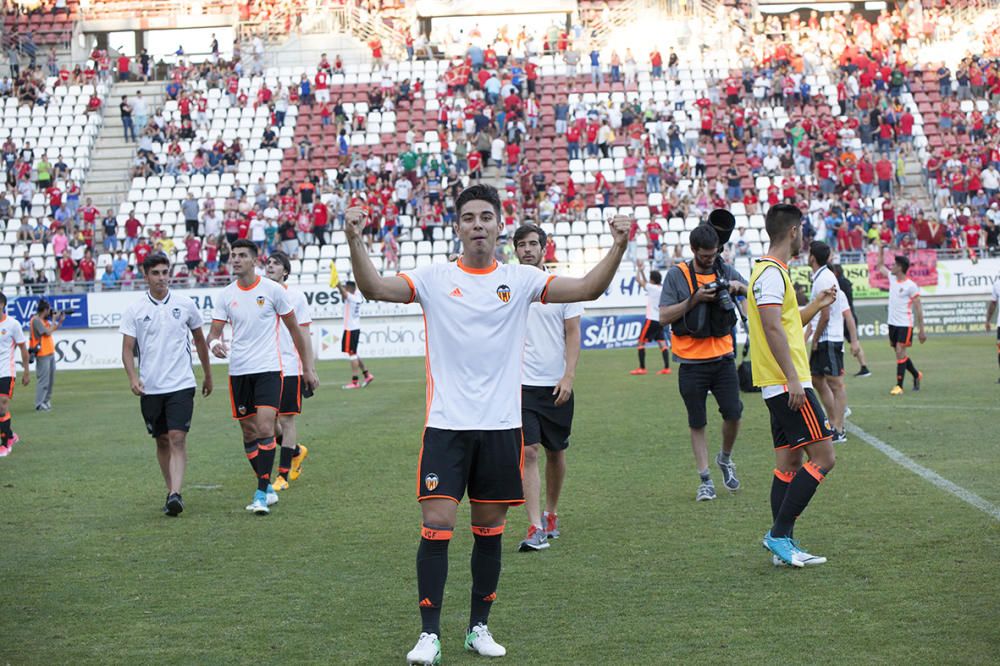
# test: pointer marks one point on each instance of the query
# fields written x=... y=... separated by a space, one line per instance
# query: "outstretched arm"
x=392 y=289
x=824 y=299
x=593 y=284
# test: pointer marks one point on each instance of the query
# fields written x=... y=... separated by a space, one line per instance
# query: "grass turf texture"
x=92 y=572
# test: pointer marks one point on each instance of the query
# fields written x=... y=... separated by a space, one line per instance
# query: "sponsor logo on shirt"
x=457 y=293
x=503 y=292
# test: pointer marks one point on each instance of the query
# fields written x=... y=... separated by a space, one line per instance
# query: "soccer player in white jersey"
x=826 y=359
x=551 y=351
x=11 y=337
x=352 y=334
x=652 y=329
x=904 y=308
x=476 y=312
x=256 y=306
x=291 y=454
x=990 y=310
x=158 y=329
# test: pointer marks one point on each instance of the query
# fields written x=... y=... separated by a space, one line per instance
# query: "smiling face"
x=478 y=227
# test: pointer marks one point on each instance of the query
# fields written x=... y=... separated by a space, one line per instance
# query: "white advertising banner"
x=962 y=277
x=380 y=337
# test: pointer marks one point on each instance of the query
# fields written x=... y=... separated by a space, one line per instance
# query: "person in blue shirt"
x=475 y=57
x=120 y=265
x=109 y=280
x=595 y=67
x=173 y=89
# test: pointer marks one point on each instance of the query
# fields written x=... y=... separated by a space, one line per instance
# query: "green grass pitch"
x=93 y=573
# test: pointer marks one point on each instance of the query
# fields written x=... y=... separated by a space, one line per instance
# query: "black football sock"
x=485 y=572
x=900 y=372
x=298 y=451
x=265 y=462
x=280 y=439
x=797 y=497
x=779 y=486
x=666 y=357
x=912 y=368
x=285 y=460
x=642 y=358
x=354 y=378
x=6 y=429
x=250 y=448
x=432 y=572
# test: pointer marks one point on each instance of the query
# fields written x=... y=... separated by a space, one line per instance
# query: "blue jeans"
x=127 y=126
x=574 y=150
x=653 y=182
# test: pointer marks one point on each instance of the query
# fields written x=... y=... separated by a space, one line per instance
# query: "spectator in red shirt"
x=67 y=272
x=142 y=250
x=123 y=67
x=132 y=226
x=88 y=270
x=320 y=220
x=884 y=171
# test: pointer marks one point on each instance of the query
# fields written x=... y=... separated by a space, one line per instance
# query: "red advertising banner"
x=923 y=268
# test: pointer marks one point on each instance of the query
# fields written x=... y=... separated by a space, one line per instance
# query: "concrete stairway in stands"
x=914 y=190
x=109 y=178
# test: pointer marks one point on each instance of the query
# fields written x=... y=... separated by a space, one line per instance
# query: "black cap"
x=724 y=223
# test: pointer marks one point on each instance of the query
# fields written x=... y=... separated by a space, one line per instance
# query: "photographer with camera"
x=697 y=302
x=43 y=348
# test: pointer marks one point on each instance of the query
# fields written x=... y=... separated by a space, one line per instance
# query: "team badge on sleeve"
x=503 y=292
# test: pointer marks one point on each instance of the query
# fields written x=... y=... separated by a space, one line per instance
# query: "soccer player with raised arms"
x=158 y=329
x=476 y=313
x=278 y=267
x=781 y=368
x=254 y=305
x=904 y=307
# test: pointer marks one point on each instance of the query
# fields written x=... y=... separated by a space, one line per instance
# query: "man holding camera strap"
x=41 y=344
x=697 y=301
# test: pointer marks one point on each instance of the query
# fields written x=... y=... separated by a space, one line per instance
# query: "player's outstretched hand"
x=311 y=379
x=563 y=391
x=620 y=224
x=354 y=221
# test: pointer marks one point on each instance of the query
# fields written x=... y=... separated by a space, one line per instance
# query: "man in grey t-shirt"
x=702 y=344
x=190 y=209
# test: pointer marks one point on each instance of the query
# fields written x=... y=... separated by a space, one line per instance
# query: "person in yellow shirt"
x=781 y=368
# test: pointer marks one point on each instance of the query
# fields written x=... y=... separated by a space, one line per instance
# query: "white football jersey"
x=11 y=335
x=653 y=292
x=254 y=313
x=996 y=297
x=291 y=364
x=902 y=293
x=352 y=311
x=475 y=322
x=822 y=280
x=544 y=362
x=162 y=331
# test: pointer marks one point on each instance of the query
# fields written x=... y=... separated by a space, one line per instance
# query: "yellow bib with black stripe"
x=766 y=371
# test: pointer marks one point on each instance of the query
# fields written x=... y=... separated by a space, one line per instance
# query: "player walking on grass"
x=11 y=337
x=158 y=329
x=826 y=359
x=780 y=362
x=990 y=311
x=291 y=454
x=551 y=352
x=253 y=306
x=652 y=330
x=476 y=312
x=904 y=306
x=352 y=334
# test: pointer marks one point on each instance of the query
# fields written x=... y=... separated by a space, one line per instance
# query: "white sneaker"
x=258 y=506
x=805 y=558
x=272 y=497
x=427 y=651
x=480 y=641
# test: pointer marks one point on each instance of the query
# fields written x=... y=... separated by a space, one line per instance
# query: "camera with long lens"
x=722 y=297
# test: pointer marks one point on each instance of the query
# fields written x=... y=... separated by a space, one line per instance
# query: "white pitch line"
x=931 y=476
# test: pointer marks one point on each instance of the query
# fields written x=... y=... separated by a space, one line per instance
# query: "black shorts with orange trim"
x=487 y=463
x=827 y=360
x=7 y=386
x=349 y=345
x=248 y=393
x=900 y=335
x=543 y=421
x=164 y=412
x=792 y=429
x=291 y=395
x=652 y=331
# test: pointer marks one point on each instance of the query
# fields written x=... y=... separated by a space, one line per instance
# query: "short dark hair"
x=43 y=306
x=655 y=277
x=903 y=262
x=821 y=251
x=479 y=192
x=350 y=284
x=525 y=229
x=153 y=260
x=243 y=242
x=3 y=300
x=283 y=259
x=704 y=237
x=781 y=218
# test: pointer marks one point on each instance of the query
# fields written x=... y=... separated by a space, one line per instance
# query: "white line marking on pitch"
x=933 y=477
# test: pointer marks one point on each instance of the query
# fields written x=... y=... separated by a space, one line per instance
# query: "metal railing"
x=124 y=9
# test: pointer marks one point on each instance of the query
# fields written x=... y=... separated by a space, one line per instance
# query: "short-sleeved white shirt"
x=544 y=360
x=902 y=293
x=771 y=287
x=11 y=335
x=996 y=297
x=475 y=324
x=653 y=292
x=291 y=364
x=162 y=331
x=822 y=280
x=352 y=310
x=254 y=313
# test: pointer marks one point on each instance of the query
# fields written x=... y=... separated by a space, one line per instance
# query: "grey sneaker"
x=551 y=523
x=839 y=437
x=706 y=491
x=536 y=540
x=729 y=479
